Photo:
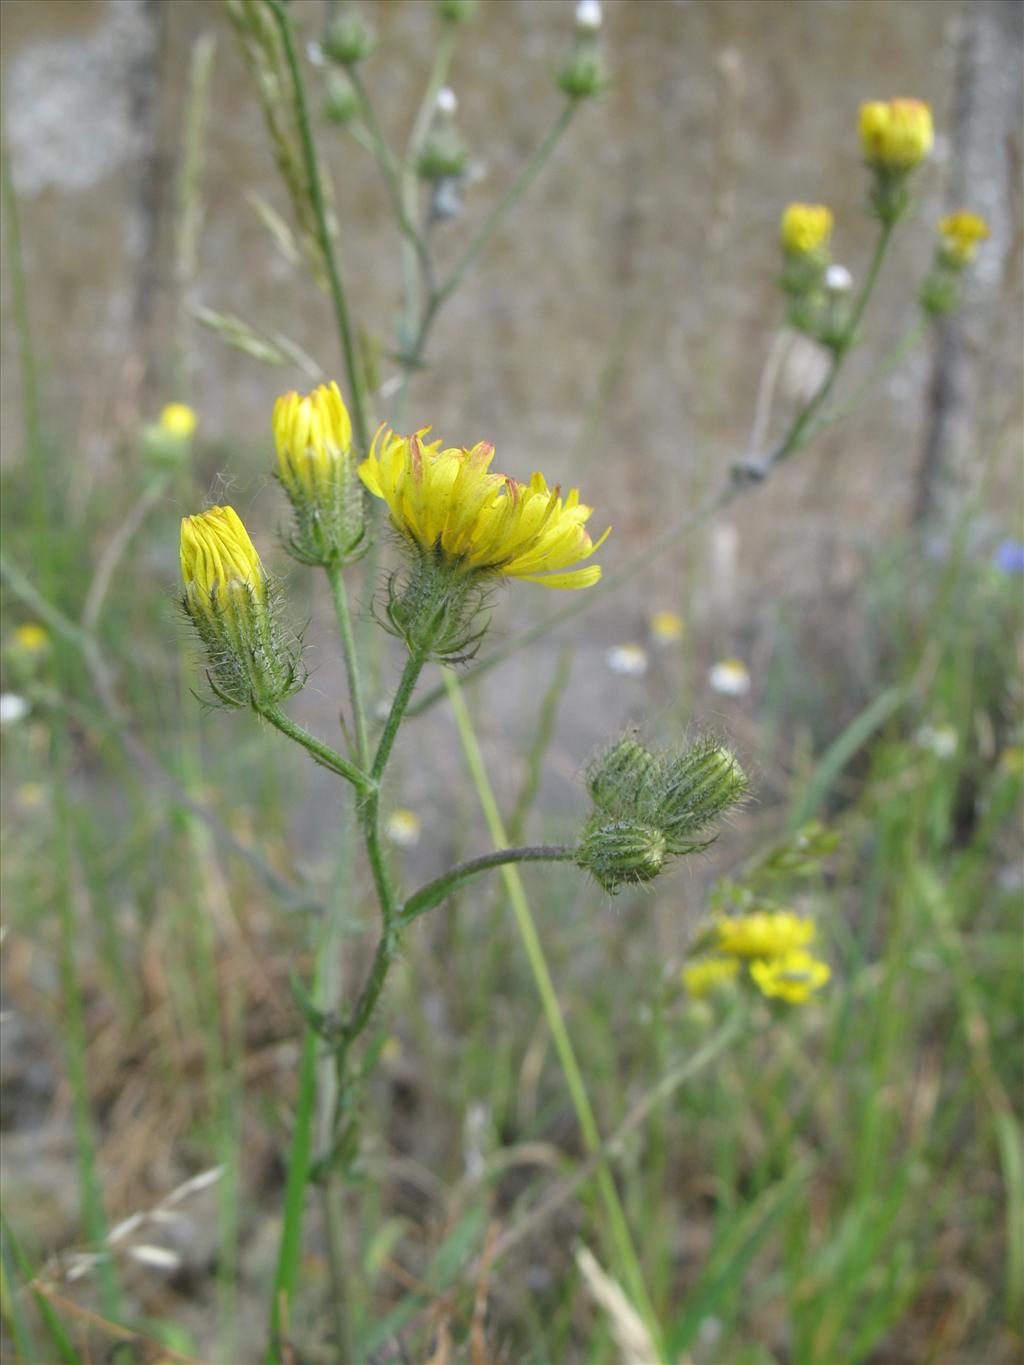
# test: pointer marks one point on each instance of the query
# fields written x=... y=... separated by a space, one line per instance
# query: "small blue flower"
x=1009 y=557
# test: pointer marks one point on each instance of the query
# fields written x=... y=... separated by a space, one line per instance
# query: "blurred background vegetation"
x=844 y=1183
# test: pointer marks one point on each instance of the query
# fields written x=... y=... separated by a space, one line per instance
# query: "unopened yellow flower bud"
x=317 y=469
x=793 y=977
x=959 y=235
x=227 y=599
x=806 y=229
x=896 y=134
x=219 y=563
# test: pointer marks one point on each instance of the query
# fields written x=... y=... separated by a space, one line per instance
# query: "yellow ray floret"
x=218 y=560
x=449 y=502
x=312 y=434
x=806 y=228
x=960 y=234
x=896 y=134
x=764 y=934
x=793 y=977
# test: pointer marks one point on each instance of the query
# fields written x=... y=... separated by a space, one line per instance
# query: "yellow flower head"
x=32 y=638
x=793 y=977
x=450 y=504
x=667 y=627
x=896 y=134
x=178 y=420
x=312 y=434
x=806 y=228
x=764 y=934
x=960 y=234
x=708 y=975
x=219 y=564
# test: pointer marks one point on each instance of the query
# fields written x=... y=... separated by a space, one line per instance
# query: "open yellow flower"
x=451 y=505
x=960 y=234
x=806 y=228
x=793 y=977
x=219 y=563
x=896 y=134
x=764 y=934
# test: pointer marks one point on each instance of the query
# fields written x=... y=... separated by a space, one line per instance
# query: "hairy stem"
x=440 y=295
x=321 y=753
x=435 y=892
x=348 y=649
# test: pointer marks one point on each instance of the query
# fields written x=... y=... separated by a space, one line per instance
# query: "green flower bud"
x=444 y=154
x=694 y=788
x=341 y=102
x=622 y=853
x=582 y=76
x=617 y=779
x=456 y=11
x=940 y=291
x=349 y=38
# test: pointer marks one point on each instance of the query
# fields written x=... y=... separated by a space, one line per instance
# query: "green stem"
x=290 y=1251
x=620 y=1235
x=385 y=159
x=420 y=129
x=794 y=437
x=439 y=296
x=435 y=892
x=399 y=705
x=26 y=353
x=316 y=195
x=322 y=753
x=348 y=649
x=842 y=410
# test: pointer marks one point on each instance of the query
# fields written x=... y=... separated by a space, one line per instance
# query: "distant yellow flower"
x=708 y=975
x=764 y=934
x=219 y=564
x=896 y=134
x=793 y=977
x=178 y=420
x=806 y=228
x=666 y=627
x=32 y=638
x=312 y=434
x=451 y=505
x=960 y=234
